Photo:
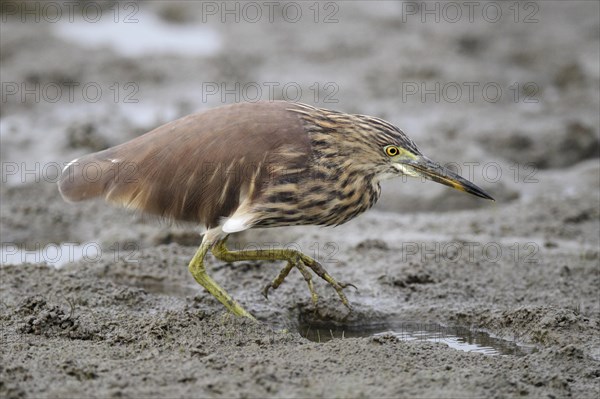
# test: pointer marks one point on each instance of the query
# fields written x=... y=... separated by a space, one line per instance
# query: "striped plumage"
x=342 y=173
x=272 y=163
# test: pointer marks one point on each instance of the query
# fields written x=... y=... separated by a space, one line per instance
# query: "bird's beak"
x=428 y=169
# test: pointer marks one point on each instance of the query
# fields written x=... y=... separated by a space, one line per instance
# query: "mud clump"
x=39 y=317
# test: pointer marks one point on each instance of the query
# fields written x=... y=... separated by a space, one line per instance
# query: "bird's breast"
x=326 y=200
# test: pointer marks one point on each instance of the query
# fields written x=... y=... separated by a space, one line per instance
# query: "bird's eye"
x=391 y=151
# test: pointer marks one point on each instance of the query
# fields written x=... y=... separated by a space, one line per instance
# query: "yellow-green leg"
x=294 y=258
x=198 y=270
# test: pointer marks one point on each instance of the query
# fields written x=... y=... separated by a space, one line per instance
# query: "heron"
x=256 y=165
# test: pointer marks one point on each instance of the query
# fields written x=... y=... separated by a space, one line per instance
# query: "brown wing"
x=199 y=168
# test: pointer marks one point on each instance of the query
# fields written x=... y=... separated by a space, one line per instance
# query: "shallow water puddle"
x=459 y=338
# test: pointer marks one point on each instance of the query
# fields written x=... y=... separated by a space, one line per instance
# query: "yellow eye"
x=391 y=151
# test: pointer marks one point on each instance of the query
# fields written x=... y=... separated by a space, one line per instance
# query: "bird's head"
x=376 y=147
x=397 y=155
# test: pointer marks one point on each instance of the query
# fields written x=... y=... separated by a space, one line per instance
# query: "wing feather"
x=197 y=168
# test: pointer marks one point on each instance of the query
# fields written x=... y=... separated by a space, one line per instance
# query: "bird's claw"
x=339 y=288
x=346 y=285
x=341 y=293
x=265 y=290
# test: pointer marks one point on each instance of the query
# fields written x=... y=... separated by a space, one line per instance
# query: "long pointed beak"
x=433 y=171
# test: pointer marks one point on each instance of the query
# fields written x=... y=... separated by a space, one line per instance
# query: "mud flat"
x=456 y=297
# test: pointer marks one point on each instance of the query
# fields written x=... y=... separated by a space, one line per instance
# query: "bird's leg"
x=295 y=258
x=196 y=267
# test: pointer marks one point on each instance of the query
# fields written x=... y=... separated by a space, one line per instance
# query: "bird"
x=256 y=165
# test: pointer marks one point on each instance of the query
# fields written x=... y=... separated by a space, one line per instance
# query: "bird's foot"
x=321 y=272
x=294 y=259
x=283 y=274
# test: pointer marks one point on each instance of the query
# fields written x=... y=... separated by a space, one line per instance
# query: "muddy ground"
x=106 y=308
